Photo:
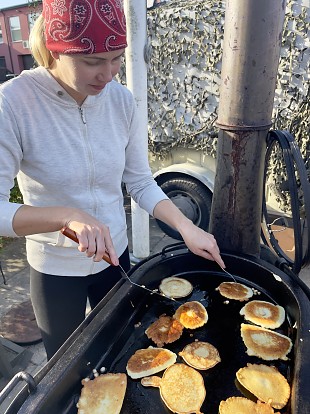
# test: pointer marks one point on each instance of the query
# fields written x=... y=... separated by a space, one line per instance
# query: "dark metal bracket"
x=294 y=163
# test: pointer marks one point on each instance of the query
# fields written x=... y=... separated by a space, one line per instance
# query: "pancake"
x=241 y=405
x=164 y=330
x=266 y=383
x=236 y=291
x=175 y=287
x=200 y=355
x=264 y=314
x=103 y=394
x=149 y=361
x=264 y=343
x=191 y=315
x=181 y=388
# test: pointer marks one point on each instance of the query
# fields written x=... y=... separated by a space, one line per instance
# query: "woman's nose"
x=105 y=75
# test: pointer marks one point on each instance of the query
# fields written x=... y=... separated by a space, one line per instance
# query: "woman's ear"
x=55 y=55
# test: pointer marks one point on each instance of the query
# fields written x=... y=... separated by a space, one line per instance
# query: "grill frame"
x=58 y=382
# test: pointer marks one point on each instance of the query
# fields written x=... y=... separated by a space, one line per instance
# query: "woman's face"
x=83 y=75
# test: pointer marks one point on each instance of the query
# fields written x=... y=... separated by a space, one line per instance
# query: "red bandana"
x=84 y=26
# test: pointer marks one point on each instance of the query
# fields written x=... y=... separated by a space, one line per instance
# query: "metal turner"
x=72 y=235
x=229 y=274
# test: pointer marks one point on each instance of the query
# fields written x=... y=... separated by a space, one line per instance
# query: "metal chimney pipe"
x=252 y=41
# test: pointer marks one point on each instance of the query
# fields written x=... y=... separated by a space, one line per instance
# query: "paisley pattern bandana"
x=84 y=26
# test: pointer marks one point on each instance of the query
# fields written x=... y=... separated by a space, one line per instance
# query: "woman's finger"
x=218 y=259
x=111 y=251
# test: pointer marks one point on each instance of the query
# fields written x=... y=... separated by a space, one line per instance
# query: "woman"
x=69 y=135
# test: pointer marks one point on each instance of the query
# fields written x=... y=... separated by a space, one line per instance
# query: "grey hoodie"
x=66 y=155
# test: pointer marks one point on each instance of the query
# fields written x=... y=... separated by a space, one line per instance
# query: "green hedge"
x=16 y=196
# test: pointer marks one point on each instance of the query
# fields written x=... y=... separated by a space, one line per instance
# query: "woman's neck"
x=79 y=98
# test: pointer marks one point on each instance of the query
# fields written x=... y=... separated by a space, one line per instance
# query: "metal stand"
x=12 y=358
x=5 y=367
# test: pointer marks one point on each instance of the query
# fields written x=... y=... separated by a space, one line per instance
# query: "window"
x=28 y=62
x=3 y=70
x=32 y=17
x=16 y=33
x=2 y=62
x=1 y=37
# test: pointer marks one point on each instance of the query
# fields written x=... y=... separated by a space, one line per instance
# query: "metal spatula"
x=229 y=274
x=72 y=235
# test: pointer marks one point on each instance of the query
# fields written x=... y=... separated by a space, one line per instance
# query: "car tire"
x=192 y=198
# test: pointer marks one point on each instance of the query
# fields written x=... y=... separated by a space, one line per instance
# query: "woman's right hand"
x=94 y=237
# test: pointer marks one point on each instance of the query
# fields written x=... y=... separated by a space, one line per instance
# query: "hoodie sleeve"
x=137 y=175
x=10 y=157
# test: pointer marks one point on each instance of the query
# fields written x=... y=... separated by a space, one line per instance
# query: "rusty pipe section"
x=251 y=50
x=252 y=41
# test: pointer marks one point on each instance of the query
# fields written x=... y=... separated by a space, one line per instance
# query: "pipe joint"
x=231 y=127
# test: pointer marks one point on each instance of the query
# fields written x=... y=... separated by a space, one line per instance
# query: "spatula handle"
x=72 y=235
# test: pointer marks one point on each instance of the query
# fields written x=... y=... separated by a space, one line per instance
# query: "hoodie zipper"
x=91 y=169
x=82 y=115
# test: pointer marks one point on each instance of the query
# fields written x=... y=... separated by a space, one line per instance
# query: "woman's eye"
x=119 y=58
x=91 y=62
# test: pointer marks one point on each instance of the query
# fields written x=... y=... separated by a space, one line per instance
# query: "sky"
x=9 y=3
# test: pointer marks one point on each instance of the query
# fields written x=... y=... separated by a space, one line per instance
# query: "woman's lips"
x=97 y=87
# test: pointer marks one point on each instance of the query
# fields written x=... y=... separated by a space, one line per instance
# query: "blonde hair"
x=37 y=44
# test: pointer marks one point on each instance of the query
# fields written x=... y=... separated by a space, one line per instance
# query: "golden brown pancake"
x=104 y=394
x=164 y=331
x=266 y=383
x=149 y=361
x=241 y=405
x=191 y=315
x=181 y=388
x=264 y=343
x=236 y=291
x=264 y=314
x=200 y=355
x=175 y=287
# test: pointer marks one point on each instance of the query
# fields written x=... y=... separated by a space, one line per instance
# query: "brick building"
x=15 y=25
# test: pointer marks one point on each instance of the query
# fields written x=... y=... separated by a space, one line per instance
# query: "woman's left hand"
x=201 y=243
x=197 y=240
